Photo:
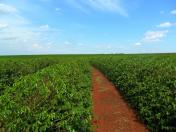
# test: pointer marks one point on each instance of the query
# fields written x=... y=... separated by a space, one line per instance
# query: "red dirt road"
x=111 y=112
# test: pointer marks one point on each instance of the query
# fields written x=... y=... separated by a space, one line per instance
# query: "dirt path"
x=111 y=112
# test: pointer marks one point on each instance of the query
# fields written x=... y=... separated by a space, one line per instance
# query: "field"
x=53 y=93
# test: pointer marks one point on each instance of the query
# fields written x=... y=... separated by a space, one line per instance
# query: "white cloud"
x=78 y=5
x=109 y=46
x=7 y=9
x=101 y=5
x=151 y=36
x=47 y=28
x=19 y=36
x=58 y=9
x=67 y=42
x=2 y=26
x=49 y=44
x=44 y=27
x=138 y=43
x=166 y=25
x=173 y=12
x=108 y=5
x=37 y=46
x=81 y=44
x=8 y=38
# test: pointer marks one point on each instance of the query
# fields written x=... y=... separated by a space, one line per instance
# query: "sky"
x=87 y=26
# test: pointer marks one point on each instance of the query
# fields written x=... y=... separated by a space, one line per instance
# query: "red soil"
x=111 y=112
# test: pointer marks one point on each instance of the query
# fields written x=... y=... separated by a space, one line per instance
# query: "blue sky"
x=87 y=26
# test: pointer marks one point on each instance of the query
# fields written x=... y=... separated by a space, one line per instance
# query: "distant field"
x=53 y=92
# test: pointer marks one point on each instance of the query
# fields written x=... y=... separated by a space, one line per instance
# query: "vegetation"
x=53 y=93
x=148 y=83
x=14 y=67
x=55 y=98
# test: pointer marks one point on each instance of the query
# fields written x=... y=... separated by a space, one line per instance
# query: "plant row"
x=56 y=98
x=148 y=83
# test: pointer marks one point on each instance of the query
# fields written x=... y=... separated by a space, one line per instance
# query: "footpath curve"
x=111 y=112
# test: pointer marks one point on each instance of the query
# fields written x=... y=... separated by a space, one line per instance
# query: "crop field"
x=54 y=92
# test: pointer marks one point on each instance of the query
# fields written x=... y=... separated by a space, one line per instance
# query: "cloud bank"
x=99 y=5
